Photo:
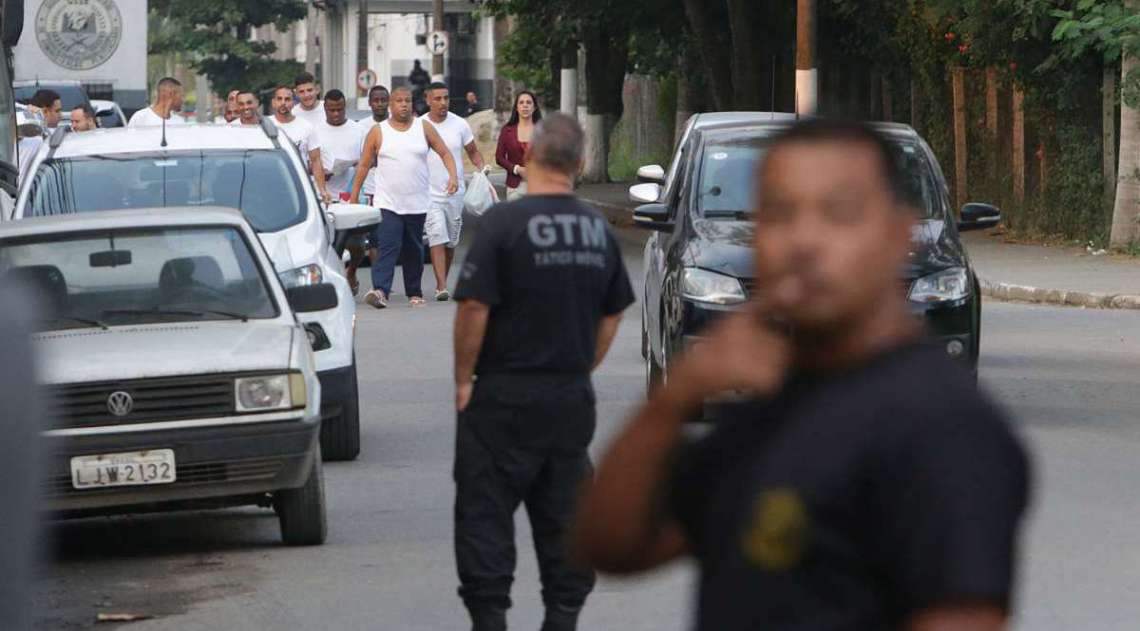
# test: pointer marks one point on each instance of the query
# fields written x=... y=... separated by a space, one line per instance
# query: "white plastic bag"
x=480 y=194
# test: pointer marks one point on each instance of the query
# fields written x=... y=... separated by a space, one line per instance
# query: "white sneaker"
x=443 y=295
x=376 y=298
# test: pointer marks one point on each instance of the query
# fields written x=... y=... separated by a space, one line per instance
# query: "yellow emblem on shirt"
x=776 y=537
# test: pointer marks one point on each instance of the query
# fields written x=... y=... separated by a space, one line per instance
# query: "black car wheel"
x=644 y=337
x=340 y=435
x=301 y=512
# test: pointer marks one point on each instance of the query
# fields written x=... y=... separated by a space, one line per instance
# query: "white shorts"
x=444 y=221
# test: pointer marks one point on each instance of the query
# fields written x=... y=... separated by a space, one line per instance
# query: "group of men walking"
x=410 y=167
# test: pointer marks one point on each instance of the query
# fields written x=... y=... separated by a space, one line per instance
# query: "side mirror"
x=653 y=217
x=978 y=217
x=309 y=298
x=348 y=220
x=647 y=193
x=104 y=113
x=651 y=173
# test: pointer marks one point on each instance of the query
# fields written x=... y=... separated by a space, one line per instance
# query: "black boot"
x=560 y=618
x=488 y=620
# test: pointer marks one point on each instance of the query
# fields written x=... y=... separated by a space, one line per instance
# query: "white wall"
x=125 y=70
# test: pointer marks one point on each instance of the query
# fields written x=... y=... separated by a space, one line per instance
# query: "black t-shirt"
x=550 y=269
x=853 y=501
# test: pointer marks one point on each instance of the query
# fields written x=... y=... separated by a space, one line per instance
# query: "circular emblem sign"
x=79 y=34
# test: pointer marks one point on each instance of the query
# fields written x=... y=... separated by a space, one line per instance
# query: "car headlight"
x=302 y=276
x=705 y=286
x=946 y=286
x=270 y=392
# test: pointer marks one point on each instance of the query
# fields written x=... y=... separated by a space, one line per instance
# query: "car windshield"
x=69 y=95
x=727 y=183
x=259 y=182
x=112 y=278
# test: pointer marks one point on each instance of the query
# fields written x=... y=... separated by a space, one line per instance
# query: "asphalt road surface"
x=1067 y=374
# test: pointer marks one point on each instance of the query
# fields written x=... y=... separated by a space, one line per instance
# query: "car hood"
x=293 y=246
x=161 y=350
x=726 y=246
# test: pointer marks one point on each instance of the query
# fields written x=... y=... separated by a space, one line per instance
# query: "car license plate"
x=124 y=469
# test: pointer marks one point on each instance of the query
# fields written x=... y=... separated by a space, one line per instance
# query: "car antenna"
x=163 y=143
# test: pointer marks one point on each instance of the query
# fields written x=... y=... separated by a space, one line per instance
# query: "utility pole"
x=361 y=42
x=437 y=24
x=807 y=79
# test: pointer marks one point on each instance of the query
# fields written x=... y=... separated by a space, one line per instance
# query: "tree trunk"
x=1109 y=129
x=1124 y=229
x=747 y=74
x=874 y=92
x=713 y=50
x=1017 y=152
x=992 y=151
x=686 y=100
x=958 y=75
x=607 y=53
x=914 y=105
x=888 y=100
x=568 y=101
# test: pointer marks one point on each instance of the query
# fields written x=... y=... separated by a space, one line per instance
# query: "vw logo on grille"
x=120 y=403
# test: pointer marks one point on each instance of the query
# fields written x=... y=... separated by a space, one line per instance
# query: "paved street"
x=1068 y=374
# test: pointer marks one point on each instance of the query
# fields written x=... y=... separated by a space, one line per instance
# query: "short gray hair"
x=558 y=143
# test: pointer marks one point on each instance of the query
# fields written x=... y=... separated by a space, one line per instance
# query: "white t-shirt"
x=303 y=135
x=147 y=117
x=343 y=142
x=314 y=117
x=456 y=134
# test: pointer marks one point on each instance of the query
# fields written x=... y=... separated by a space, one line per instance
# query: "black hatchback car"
x=698 y=261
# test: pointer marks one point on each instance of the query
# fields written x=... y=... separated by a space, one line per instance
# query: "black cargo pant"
x=522 y=439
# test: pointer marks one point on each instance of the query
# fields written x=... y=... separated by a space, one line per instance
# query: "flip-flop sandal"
x=418 y=301
x=443 y=295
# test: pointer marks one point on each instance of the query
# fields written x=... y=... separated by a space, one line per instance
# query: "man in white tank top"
x=399 y=148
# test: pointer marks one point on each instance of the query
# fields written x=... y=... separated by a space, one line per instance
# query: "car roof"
x=174 y=216
x=23 y=83
x=893 y=131
x=148 y=139
x=715 y=119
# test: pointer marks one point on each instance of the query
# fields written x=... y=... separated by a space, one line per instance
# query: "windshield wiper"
x=183 y=312
x=728 y=214
x=87 y=321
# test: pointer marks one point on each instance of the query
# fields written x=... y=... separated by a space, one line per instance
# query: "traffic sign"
x=438 y=42
x=365 y=79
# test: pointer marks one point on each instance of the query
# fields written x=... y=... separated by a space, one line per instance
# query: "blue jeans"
x=400 y=238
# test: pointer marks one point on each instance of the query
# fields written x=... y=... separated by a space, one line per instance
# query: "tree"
x=216 y=34
x=1113 y=28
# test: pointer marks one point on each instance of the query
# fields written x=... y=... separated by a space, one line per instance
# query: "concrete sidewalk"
x=1009 y=272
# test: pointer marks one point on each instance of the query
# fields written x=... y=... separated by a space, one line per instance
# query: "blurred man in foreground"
x=863 y=482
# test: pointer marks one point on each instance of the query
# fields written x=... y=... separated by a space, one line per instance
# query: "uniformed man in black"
x=864 y=483
x=540 y=296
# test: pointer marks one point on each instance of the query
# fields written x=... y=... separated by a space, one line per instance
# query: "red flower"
x=964 y=48
x=1013 y=66
x=950 y=36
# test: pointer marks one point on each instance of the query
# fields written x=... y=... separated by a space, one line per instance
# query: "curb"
x=1007 y=292
x=618 y=216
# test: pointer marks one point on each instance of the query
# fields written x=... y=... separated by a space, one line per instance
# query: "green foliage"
x=215 y=33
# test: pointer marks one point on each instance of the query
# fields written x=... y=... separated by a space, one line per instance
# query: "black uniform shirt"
x=550 y=269
x=855 y=500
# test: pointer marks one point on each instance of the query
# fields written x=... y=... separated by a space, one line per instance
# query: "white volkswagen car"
x=176 y=372
x=244 y=167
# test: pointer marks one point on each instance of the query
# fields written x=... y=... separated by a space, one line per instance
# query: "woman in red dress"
x=514 y=141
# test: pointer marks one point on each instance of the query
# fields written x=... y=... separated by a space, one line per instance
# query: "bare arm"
x=607 y=329
x=474 y=155
x=367 y=156
x=964 y=618
x=470 y=328
x=318 y=171
x=440 y=147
